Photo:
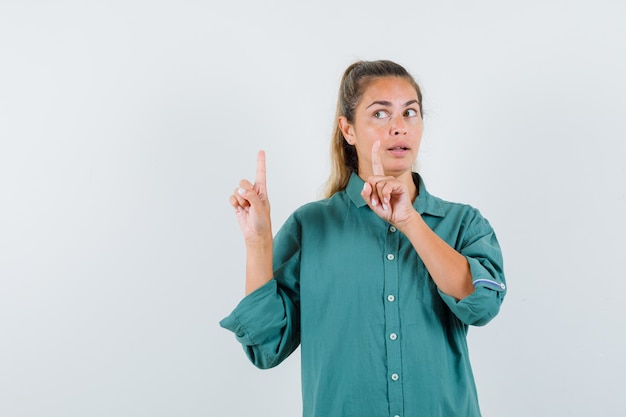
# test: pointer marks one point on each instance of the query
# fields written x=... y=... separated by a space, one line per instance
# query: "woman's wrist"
x=259 y=243
x=411 y=223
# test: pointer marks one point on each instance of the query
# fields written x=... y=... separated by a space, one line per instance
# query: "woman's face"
x=388 y=112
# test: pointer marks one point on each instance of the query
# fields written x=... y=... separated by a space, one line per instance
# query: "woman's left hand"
x=387 y=197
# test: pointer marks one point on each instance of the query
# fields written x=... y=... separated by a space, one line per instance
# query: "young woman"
x=377 y=283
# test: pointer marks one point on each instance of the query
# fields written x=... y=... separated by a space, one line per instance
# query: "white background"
x=125 y=126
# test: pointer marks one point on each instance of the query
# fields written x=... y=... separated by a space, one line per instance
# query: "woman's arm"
x=267 y=321
x=252 y=208
x=448 y=268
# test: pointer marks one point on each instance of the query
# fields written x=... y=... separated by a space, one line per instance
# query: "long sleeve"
x=480 y=246
x=267 y=321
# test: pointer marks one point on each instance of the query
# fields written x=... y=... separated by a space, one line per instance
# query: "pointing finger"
x=260 y=171
x=377 y=165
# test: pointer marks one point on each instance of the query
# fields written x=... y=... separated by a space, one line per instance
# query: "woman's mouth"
x=399 y=150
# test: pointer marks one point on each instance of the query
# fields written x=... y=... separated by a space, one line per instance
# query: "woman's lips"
x=398 y=150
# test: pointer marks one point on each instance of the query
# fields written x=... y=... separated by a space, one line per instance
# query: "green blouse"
x=377 y=336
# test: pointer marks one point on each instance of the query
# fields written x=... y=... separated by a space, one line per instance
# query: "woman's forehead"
x=390 y=89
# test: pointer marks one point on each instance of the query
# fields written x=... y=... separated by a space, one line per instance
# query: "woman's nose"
x=398 y=128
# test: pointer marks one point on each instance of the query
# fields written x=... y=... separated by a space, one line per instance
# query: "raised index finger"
x=377 y=165
x=260 y=170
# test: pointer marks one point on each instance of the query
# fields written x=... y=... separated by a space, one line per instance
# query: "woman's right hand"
x=252 y=206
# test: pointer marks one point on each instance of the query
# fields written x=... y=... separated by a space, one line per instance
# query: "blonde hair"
x=343 y=157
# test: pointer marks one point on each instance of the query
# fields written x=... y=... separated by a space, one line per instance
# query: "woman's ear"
x=347 y=129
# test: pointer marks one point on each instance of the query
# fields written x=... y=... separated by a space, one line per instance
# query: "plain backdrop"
x=125 y=126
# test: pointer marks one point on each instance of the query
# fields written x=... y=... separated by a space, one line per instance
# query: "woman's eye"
x=410 y=113
x=380 y=114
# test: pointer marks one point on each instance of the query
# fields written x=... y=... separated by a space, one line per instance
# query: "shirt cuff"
x=253 y=315
x=483 y=304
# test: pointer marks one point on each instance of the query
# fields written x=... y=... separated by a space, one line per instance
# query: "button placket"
x=392 y=320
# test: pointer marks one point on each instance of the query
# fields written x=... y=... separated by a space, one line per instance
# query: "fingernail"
x=241 y=191
x=384 y=206
x=374 y=202
x=364 y=185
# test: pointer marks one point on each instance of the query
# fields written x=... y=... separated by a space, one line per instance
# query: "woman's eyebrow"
x=388 y=103
x=380 y=102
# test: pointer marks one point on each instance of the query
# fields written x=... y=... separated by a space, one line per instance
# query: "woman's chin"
x=397 y=170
